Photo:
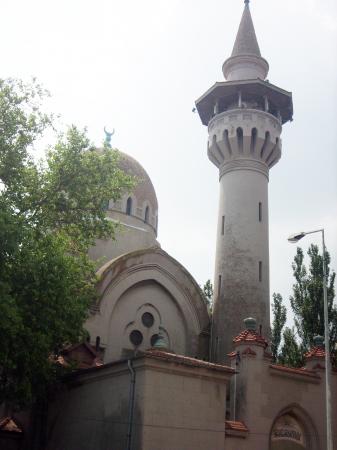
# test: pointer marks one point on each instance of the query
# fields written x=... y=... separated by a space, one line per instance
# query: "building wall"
x=132 y=234
x=177 y=407
x=92 y=413
x=266 y=392
x=184 y=409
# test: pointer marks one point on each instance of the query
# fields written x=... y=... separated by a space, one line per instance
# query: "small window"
x=147 y=320
x=260 y=212
x=146 y=216
x=136 y=338
x=223 y=225
x=129 y=206
x=219 y=286
x=260 y=270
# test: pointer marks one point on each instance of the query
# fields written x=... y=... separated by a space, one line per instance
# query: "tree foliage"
x=308 y=308
x=208 y=294
x=50 y=213
x=307 y=299
x=291 y=353
x=280 y=317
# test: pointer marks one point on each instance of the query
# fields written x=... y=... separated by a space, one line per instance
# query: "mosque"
x=159 y=373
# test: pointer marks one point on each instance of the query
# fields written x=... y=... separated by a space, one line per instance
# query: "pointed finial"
x=108 y=136
x=246 y=2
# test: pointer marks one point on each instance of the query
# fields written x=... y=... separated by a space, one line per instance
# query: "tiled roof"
x=251 y=336
x=295 y=371
x=9 y=425
x=186 y=360
x=236 y=426
x=72 y=354
x=315 y=352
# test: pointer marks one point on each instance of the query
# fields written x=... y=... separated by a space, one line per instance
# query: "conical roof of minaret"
x=246 y=61
x=246 y=41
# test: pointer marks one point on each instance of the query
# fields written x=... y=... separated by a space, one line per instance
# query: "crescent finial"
x=108 y=136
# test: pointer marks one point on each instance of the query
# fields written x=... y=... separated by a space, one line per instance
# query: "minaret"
x=244 y=116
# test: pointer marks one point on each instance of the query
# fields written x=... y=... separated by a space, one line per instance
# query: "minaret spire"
x=246 y=41
x=246 y=61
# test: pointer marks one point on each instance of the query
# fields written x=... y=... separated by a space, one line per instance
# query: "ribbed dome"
x=144 y=190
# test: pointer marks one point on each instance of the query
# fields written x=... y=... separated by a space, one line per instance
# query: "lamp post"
x=295 y=238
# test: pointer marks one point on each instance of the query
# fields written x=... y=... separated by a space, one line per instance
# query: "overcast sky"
x=138 y=66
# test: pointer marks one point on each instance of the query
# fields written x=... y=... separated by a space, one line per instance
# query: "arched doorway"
x=293 y=430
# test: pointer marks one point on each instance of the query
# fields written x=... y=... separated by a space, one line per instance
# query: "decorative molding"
x=244 y=164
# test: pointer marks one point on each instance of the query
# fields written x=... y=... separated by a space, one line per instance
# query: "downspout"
x=131 y=404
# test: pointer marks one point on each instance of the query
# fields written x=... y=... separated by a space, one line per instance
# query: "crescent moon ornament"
x=108 y=136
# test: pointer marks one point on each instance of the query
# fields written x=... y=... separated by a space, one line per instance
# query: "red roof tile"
x=251 y=336
x=83 y=355
x=186 y=360
x=296 y=371
x=315 y=352
x=236 y=426
x=8 y=424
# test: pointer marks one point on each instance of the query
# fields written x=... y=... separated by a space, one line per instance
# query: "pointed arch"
x=310 y=440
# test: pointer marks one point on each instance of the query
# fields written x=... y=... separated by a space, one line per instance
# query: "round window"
x=136 y=337
x=154 y=339
x=147 y=319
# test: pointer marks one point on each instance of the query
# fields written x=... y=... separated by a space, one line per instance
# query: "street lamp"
x=295 y=238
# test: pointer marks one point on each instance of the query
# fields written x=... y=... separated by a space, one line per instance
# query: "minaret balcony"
x=244 y=138
x=256 y=94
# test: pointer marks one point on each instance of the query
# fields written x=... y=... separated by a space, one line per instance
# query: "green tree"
x=291 y=354
x=307 y=299
x=50 y=214
x=279 y=320
x=208 y=294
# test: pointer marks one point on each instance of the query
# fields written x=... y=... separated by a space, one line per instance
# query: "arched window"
x=146 y=217
x=239 y=134
x=129 y=206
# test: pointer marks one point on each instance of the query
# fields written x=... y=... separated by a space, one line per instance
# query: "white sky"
x=138 y=67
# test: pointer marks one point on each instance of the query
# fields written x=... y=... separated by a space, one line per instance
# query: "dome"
x=137 y=213
x=139 y=207
x=143 y=191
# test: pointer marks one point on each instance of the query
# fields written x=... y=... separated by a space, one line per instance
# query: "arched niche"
x=150 y=281
x=293 y=429
x=140 y=313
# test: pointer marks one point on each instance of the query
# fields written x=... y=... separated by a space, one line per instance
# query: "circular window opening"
x=136 y=337
x=148 y=320
x=154 y=339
